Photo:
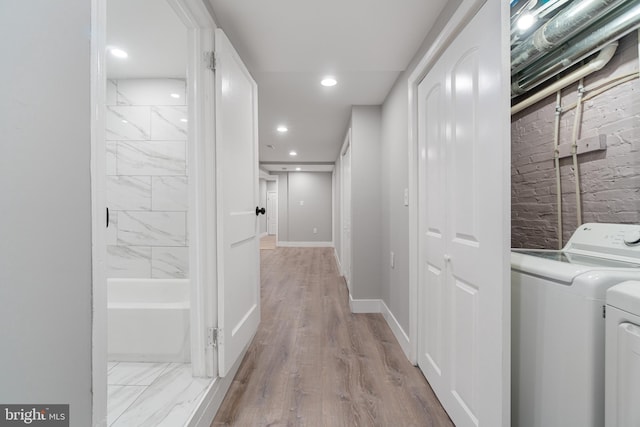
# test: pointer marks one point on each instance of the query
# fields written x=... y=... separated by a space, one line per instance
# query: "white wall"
x=394 y=179
x=45 y=215
x=310 y=207
x=366 y=200
x=296 y=221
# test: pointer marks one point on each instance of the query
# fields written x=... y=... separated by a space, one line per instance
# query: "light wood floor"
x=313 y=363
x=268 y=242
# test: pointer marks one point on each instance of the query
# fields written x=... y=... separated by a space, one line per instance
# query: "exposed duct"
x=608 y=29
x=567 y=23
x=594 y=65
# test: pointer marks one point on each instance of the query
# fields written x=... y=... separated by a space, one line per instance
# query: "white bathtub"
x=148 y=320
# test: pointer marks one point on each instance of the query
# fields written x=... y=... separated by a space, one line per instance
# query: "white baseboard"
x=379 y=306
x=212 y=399
x=305 y=244
x=335 y=254
x=398 y=332
x=364 y=305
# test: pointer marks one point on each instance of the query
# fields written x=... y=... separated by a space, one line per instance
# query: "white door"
x=463 y=210
x=237 y=189
x=346 y=213
x=272 y=212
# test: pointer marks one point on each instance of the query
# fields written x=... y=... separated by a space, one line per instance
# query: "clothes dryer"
x=622 y=357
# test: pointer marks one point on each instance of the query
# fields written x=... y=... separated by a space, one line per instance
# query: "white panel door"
x=272 y=212
x=462 y=210
x=346 y=213
x=237 y=186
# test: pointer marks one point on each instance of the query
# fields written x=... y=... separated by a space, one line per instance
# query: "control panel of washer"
x=615 y=241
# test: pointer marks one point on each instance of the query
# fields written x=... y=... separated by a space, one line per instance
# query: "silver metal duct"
x=610 y=28
x=567 y=23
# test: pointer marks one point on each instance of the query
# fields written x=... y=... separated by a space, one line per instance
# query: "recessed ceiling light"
x=526 y=21
x=293 y=153
x=118 y=53
x=329 y=81
x=124 y=121
x=184 y=120
x=282 y=129
x=175 y=95
x=298 y=169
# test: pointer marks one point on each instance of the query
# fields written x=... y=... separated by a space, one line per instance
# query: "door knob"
x=260 y=211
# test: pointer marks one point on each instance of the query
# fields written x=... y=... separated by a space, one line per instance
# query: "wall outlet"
x=393 y=260
x=315 y=230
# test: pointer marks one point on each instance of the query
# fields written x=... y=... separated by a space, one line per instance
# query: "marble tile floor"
x=152 y=394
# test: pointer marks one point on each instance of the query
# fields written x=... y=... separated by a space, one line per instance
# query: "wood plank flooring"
x=314 y=363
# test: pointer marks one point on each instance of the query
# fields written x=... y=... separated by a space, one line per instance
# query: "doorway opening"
x=152 y=301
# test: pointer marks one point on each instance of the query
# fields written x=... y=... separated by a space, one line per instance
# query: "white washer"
x=622 y=390
x=558 y=325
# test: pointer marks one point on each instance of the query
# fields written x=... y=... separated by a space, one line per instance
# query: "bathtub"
x=148 y=320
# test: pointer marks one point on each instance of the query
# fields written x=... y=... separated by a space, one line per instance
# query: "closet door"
x=464 y=220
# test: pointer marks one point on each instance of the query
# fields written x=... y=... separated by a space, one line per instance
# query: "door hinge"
x=604 y=311
x=210 y=59
x=214 y=337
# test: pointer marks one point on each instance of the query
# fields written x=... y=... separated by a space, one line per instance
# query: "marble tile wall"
x=146 y=132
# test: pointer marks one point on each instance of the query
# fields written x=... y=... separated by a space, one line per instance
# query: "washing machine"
x=622 y=357
x=558 y=324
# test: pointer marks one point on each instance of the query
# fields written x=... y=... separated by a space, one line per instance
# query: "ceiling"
x=288 y=46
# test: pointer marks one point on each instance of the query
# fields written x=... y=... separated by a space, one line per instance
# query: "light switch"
x=301 y=202
x=406 y=197
x=393 y=260
x=315 y=230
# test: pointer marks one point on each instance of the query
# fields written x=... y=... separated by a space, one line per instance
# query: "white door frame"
x=200 y=25
x=276 y=209
x=346 y=146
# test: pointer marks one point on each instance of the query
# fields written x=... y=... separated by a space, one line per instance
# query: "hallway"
x=313 y=363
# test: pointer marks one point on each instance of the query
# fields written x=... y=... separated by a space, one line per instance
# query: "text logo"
x=34 y=415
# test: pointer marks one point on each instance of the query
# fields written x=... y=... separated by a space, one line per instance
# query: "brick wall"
x=610 y=179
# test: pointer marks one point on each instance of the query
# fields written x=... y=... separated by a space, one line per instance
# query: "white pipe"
x=594 y=65
x=556 y=160
x=574 y=151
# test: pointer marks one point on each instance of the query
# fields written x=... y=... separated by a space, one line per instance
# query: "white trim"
x=338 y=264
x=98 y=206
x=365 y=305
x=398 y=332
x=460 y=18
x=212 y=399
x=343 y=203
x=305 y=244
x=201 y=214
